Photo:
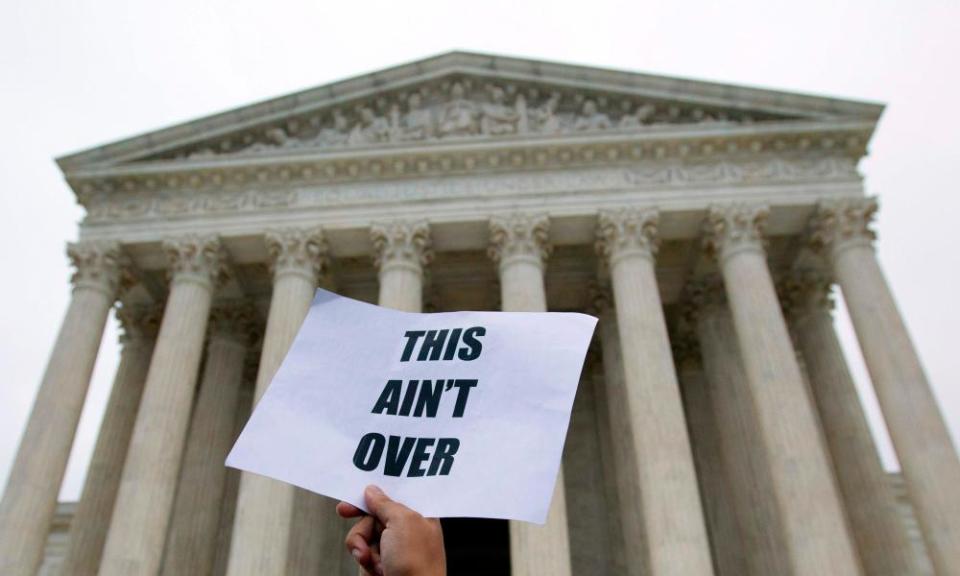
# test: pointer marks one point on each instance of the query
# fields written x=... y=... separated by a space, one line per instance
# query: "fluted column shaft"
x=518 y=243
x=880 y=534
x=811 y=513
x=616 y=448
x=744 y=462
x=191 y=544
x=927 y=455
x=91 y=521
x=30 y=498
x=141 y=515
x=264 y=512
x=672 y=518
x=725 y=539
x=231 y=488
x=592 y=549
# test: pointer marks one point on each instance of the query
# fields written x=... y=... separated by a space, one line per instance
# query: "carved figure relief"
x=642 y=115
x=547 y=118
x=334 y=135
x=591 y=119
x=371 y=128
x=459 y=115
x=461 y=108
x=417 y=124
x=499 y=118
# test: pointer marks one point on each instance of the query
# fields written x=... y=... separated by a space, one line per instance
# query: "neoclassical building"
x=716 y=430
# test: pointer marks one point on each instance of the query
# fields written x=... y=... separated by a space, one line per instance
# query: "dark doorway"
x=477 y=546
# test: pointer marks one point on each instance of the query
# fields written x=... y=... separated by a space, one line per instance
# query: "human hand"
x=393 y=540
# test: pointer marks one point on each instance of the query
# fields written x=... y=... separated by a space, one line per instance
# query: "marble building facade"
x=716 y=430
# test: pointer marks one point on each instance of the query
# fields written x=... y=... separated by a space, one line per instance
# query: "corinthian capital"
x=519 y=236
x=401 y=243
x=97 y=265
x=805 y=292
x=599 y=298
x=628 y=231
x=702 y=295
x=139 y=323
x=233 y=320
x=297 y=251
x=196 y=258
x=735 y=228
x=840 y=224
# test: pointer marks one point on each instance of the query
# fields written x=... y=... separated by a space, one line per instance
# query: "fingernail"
x=374 y=489
x=356 y=553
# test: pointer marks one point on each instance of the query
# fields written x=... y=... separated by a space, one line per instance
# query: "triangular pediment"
x=466 y=98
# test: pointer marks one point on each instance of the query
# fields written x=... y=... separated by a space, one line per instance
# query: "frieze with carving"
x=107 y=206
x=464 y=108
x=803 y=151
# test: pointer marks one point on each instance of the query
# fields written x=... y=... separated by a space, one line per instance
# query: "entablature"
x=143 y=203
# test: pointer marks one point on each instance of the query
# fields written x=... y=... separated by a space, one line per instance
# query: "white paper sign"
x=452 y=414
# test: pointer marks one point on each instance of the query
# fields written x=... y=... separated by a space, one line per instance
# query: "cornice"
x=685 y=141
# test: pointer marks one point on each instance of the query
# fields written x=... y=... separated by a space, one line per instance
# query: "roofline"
x=466 y=62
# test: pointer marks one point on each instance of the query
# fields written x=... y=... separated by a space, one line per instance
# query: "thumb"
x=381 y=506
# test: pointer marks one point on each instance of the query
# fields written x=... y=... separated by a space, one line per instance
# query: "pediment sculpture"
x=464 y=108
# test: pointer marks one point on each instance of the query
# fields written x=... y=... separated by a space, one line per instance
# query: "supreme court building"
x=716 y=429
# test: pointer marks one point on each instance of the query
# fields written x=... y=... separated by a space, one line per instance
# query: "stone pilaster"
x=931 y=468
x=191 y=543
x=401 y=250
x=91 y=521
x=30 y=499
x=871 y=506
x=519 y=245
x=670 y=514
x=724 y=530
x=138 y=529
x=264 y=512
x=811 y=512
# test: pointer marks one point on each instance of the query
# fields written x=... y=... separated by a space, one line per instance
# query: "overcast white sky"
x=77 y=74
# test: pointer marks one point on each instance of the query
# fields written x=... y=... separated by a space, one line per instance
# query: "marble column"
x=871 y=505
x=318 y=549
x=927 y=455
x=519 y=245
x=724 y=530
x=670 y=513
x=191 y=543
x=401 y=250
x=264 y=512
x=88 y=529
x=744 y=462
x=616 y=422
x=811 y=513
x=232 y=481
x=586 y=502
x=141 y=514
x=30 y=498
